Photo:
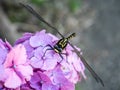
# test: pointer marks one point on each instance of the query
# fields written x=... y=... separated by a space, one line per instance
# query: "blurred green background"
x=96 y=22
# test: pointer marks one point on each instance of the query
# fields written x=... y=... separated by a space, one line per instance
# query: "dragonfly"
x=37 y=15
x=60 y=45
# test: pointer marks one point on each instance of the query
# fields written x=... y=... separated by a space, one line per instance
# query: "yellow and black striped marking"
x=62 y=43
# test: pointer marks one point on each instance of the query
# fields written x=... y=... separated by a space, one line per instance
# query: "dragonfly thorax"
x=60 y=45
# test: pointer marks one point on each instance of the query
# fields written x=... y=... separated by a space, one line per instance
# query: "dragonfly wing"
x=97 y=78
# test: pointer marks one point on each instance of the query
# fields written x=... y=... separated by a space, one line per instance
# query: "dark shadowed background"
x=96 y=22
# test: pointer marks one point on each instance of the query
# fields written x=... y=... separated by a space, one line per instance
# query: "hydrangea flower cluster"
x=32 y=65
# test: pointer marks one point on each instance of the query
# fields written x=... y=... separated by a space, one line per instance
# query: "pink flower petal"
x=13 y=81
x=25 y=70
x=68 y=86
x=9 y=58
x=20 y=56
x=16 y=56
x=77 y=63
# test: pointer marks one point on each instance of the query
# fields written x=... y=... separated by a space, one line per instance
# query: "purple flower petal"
x=36 y=63
x=3 y=54
x=40 y=39
x=38 y=53
x=58 y=78
x=2 y=73
x=25 y=37
x=49 y=86
x=49 y=64
x=39 y=80
x=29 y=49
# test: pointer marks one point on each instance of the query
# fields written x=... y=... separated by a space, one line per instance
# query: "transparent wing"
x=97 y=78
x=32 y=11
